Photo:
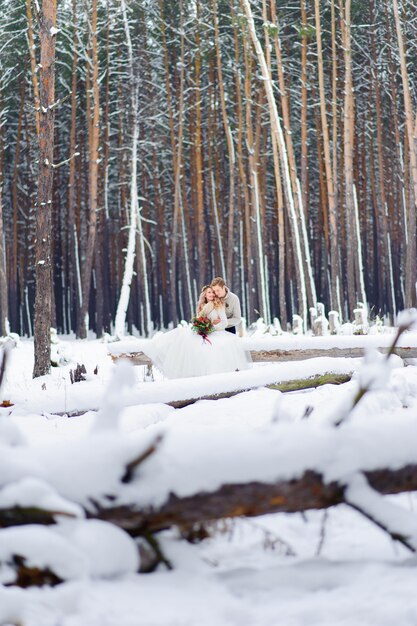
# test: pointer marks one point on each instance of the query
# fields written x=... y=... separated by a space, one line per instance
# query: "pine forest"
x=147 y=146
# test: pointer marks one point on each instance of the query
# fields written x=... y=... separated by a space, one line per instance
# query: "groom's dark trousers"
x=231 y=329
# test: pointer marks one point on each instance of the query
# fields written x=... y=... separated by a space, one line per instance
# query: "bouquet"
x=203 y=326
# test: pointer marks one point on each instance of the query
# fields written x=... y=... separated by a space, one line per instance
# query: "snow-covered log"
x=295 y=384
x=269 y=356
x=148 y=481
x=251 y=499
x=310 y=490
x=290 y=347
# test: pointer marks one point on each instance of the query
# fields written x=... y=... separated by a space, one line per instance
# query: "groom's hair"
x=218 y=281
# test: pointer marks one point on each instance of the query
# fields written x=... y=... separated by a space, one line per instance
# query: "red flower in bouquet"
x=203 y=326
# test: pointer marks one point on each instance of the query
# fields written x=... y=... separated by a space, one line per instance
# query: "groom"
x=231 y=303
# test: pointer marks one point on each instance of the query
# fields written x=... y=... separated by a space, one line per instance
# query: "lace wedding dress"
x=181 y=353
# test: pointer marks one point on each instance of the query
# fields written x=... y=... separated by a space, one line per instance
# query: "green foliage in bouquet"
x=203 y=326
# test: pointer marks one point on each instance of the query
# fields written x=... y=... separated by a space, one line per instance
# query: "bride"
x=181 y=353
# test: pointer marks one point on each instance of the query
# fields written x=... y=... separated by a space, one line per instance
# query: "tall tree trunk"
x=14 y=270
x=103 y=316
x=279 y=201
x=119 y=324
x=352 y=286
x=93 y=113
x=411 y=130
x=399 y=231
x=298 y=197
x=384 y=260
x=335 y=301
x=33 y=68
x=247 y=267
x=216 y=175
x=335 y=125
x=73 y=269
x=200 y=221
x=230 y=151
x=304 y=174
x=42 y=329
x=4 y=308
x=178 y=148
x=4 y=305
x=253 y=216
x=278 y=136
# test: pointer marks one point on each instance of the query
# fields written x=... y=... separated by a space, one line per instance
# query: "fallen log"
x=136 y=358
x=251 y=499
x=328 y=378
x=266 y=356
x=284 y=386
x=228 y=501
x=269 y=356
x=311 y=382
x=21 y=515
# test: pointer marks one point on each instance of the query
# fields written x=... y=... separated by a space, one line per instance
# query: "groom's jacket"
x=232 y=306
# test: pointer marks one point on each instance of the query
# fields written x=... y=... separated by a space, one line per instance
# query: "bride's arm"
x=207 y=309
x=223 y=320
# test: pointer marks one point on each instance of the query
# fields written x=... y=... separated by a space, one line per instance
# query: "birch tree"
x=279 y=138
x=298 y=197
x=119 y=324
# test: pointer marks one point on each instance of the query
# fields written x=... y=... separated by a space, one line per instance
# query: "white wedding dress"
x=181 y=352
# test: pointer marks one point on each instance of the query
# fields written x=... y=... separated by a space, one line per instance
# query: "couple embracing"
x=217 y=297
x=182 y=353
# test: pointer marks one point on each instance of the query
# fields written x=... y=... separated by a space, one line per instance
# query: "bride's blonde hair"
x=202 y=300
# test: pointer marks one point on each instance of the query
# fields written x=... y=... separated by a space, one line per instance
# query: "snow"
x=399 y=522
x=42 y=548
x=110 y=551
x=32 y=492
x=316 y=568
x=407 y=318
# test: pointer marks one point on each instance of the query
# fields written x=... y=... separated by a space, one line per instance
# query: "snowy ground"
x=287 y=570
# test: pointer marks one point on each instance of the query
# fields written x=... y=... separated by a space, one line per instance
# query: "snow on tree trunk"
x=148 y=325
x=120 y=319
x=264 y=308
x=34 y=75
x=230 y=150
x=217 y=224
x=292 y=167
x=333 y=221
x=278 y=136
x=177 y=149
x=411 y=128
x=360 y=271
x=310 y=277
x=242 y=271
x=391 y=277
x=186 y=261
x=352 y=286
x=135 y=216
x=93 y=113
x=3 y=276
x=42 y=334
